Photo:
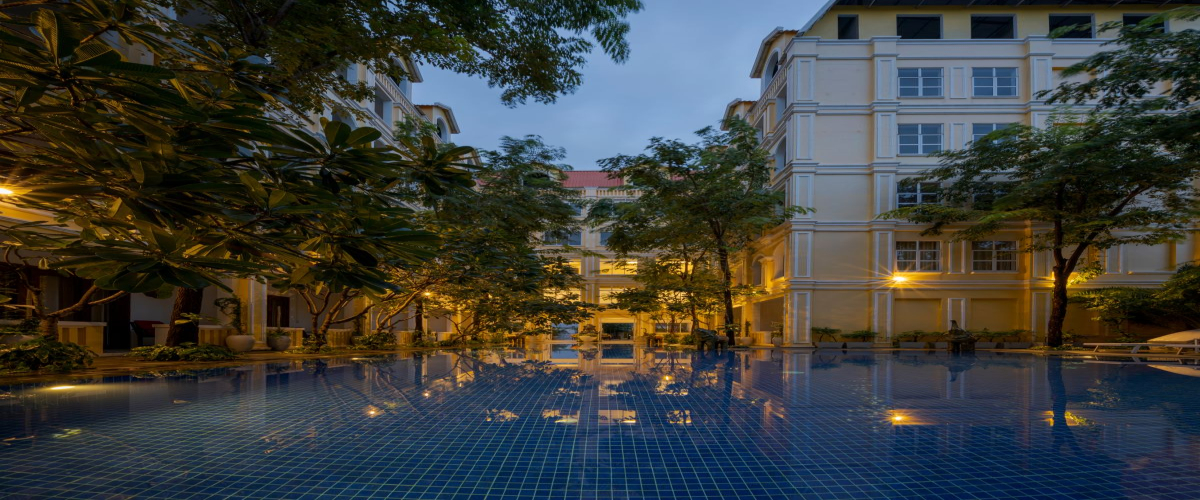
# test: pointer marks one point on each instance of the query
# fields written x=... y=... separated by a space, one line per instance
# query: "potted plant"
x=588 y=333
x=23 y=331
x=860 y=339
x=777 y=334
x=231 y=307
x=825 y=336
x=911 y=339
x=278 y=339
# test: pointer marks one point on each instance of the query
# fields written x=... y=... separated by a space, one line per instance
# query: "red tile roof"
x=590 y=178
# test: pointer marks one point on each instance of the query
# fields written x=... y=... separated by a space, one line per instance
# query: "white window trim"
x=941 y=88
x=1016 y=260
x=919 y=194
x=1016 y=83
x=920 y=143
x=917 y=262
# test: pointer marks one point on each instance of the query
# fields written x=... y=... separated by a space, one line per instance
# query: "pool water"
x=623 y=422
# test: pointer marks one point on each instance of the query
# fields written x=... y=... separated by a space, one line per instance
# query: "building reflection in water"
x=804 y=419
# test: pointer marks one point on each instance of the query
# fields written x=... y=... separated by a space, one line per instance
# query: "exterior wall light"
x=899 y=279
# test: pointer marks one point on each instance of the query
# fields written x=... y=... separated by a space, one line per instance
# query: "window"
x=618 y=266
x=979 y=130
x=604 y=236
x=848 y=27
x=1082 y=23
x=920 y=82
x=667 y=327
x=574 y=238
x=577 y=208
x=920 y=139
x=917 y=193
x=994 y=82
x=993 y=27
x=606 y=294
x=994 y=256
x=1136 y=19
x=919 y=256
x=919 y=27
x=756 y=273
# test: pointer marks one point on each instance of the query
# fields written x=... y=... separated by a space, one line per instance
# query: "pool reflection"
x=579 y=420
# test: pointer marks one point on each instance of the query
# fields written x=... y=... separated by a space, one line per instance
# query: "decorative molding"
x=801 y=248
x=883 y=254
x=885 y=193
x=802 y=137
x=959 y=135
x=958 y=82
x=885 y=135
x=800 y=318
x=885 y=79
x=956 y=310
x=882 y=314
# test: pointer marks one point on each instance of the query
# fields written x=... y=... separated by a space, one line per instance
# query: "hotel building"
x=855 y=101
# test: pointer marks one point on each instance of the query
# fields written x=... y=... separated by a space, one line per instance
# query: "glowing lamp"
x=899 y=279
x=6 y=191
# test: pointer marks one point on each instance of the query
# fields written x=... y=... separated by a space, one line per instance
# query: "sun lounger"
x=1136 y=346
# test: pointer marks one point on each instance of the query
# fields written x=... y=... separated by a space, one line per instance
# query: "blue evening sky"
x=689 y=59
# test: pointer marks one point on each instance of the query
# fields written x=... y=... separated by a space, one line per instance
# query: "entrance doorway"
x=616 y=331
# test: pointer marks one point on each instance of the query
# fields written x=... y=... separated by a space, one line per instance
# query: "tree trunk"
x=48 y=327
x=419 y=320
x=727 y=291
x=187 y=301
x=318 y=335
x=1058 y=310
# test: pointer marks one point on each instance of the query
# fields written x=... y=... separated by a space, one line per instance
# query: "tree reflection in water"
x=785 y=423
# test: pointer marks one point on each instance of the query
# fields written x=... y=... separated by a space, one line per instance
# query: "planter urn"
x=279 y=343
x=240 y=343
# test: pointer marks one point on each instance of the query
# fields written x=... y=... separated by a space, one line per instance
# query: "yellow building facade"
x=856 y=101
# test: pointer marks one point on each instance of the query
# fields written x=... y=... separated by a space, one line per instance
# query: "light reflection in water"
x=621 y=418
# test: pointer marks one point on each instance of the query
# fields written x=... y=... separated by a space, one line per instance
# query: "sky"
x=689 y=59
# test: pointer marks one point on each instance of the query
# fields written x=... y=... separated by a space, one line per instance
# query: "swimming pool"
x=610 y=424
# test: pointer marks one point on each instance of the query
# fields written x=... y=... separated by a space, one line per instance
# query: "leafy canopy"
x=532 y=50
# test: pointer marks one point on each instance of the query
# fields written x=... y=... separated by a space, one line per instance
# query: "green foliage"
x=911 y=335
x=277 y=332
x=186 y=351
x=175 y=173
x=27 y=326
x=698 y=203
x=377 y=340
x=1128 y=78
x=488 y=270
x=532 y=50
x=860 y=335
x=825 y=334
x=310 y=347
x=1095 y=185
x=1176 y=304
x=43 y=353
x=424 y=344
x=231 y=307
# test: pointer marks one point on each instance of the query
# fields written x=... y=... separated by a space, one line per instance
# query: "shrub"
x=44 y=353
x=824 y=333
x=860 y=335
x=277 y=332
x=186 y=351
x=911 y=335
x=377 y=340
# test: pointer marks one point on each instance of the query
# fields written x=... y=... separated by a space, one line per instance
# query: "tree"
x=1132 y=80
x=712 y=195
x=1175 y=304
x=486 y=270
x=671 y=289
x=174 y=175
x=1091 y=185
x=530 y=49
